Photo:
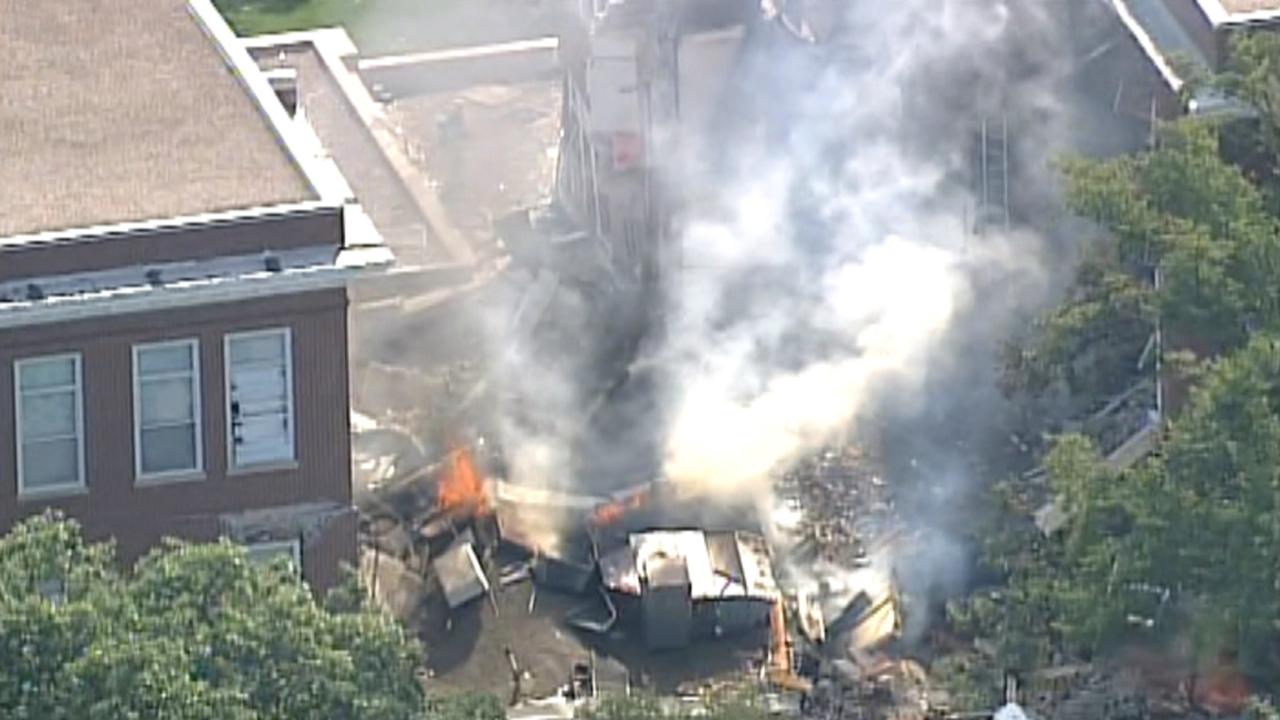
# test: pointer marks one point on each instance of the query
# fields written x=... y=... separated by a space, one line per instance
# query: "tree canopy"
x=195 y=631
x=1185 y=546
x=1187 y=543
x=1186 y=211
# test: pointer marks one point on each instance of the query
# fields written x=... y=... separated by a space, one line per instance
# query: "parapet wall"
x=460 y=68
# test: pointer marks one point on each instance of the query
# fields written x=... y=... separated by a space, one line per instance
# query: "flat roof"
x=438 y=160
x=378 y=185
x=1241 y=12
x=128 y=113
x=1236 y=7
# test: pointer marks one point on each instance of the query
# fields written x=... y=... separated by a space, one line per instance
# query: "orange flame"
x=461 y=489
x=612 y=512
x=1225 y=691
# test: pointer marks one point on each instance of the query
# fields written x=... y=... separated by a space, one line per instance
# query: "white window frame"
x=232 y=465
x=294 y=547
x=78 y=363
x=196 y=408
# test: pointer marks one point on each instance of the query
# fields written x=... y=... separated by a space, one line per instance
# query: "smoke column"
x=837 y=259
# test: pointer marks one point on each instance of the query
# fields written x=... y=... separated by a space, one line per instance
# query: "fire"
x=461 y=490
x=606 y=515
x=612 y=512
x=1224 y=691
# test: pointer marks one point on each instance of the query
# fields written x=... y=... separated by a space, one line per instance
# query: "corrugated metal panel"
x=734 y=616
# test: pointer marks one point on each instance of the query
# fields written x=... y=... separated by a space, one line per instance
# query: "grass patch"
x=385 y=26
x=258 y=17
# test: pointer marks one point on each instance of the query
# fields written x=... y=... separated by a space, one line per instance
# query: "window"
x=167 y=438
x=266 y=552
x=260 y=397
x=49 y=419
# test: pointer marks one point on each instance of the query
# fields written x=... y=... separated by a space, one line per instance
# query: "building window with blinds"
x=167 y=439
x=260 y=398
x=49 y=424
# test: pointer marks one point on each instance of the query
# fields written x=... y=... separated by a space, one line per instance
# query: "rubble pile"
x=836 y=514
x=836 y=505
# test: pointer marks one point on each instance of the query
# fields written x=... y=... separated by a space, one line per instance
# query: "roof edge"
x=1220 y=17
x=138 y=227
x=1213 y=10
x=333 y=46
x=251 y=78
x=347 y=266
x=549 y=42
x=335 y=39
x=1148 y=45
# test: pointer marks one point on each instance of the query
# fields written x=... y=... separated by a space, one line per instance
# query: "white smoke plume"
x=836 y=257
x=737 y=421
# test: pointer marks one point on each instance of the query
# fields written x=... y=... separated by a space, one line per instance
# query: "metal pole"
x=1004 y=150
x=986 y=190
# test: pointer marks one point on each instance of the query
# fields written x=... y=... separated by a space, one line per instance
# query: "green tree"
x=195 y=631
x=1253 y=75
x=1186 y=544
x=1091 y=343
x=1223 y=465
x=973 y=683
x=1186 y=210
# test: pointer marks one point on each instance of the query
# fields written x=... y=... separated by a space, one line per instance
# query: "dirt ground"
x=467 y=647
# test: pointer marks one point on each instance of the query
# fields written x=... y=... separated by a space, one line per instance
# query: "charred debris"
x=637 y=571
x=809 y=585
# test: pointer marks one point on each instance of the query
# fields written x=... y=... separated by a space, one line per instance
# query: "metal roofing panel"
x=460 y=574
x=757 y=566
x=653 y=548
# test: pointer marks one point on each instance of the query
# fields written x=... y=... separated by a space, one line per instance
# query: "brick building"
x=174 y=263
